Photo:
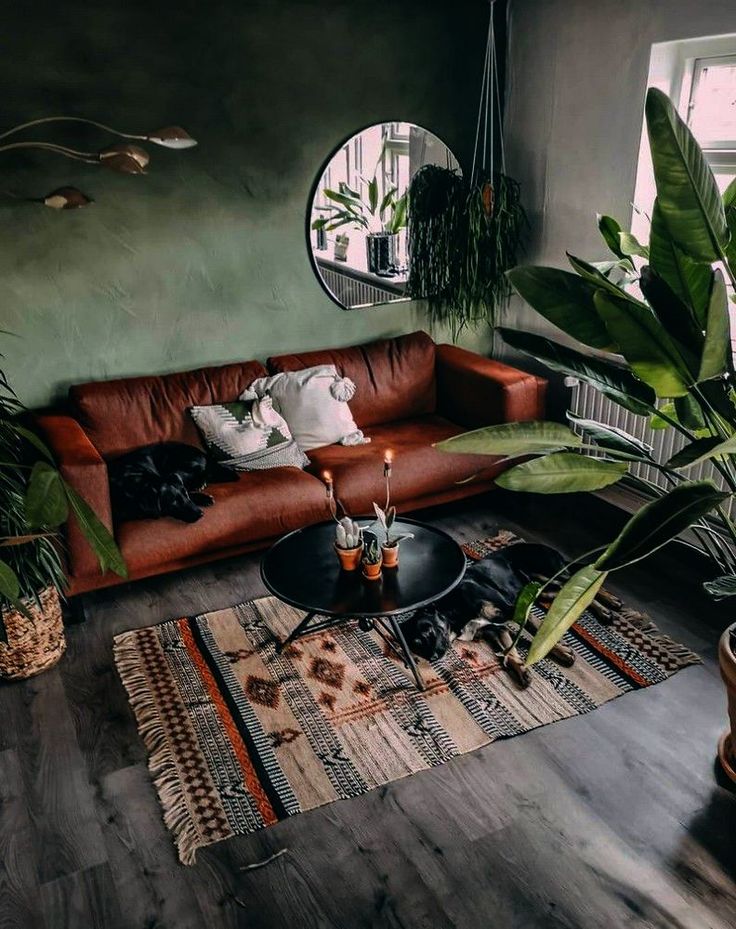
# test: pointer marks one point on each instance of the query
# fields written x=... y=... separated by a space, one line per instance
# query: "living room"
x=367 y=471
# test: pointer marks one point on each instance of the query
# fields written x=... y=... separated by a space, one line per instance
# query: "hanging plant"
x=464 y=236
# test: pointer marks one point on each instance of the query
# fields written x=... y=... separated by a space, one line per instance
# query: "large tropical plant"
x=34 y=503
x=652 y=334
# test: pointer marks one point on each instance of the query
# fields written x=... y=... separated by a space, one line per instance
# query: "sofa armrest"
x=84 y=469
x=474 y=391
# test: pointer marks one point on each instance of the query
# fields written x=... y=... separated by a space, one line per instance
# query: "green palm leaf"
x=572 y=600
x=613 y=380
x=687 y=192
x=659 y=522
x=565 y=299
x=562 y=473
x=512 y=439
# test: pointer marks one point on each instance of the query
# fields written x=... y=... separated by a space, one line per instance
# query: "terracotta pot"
x=29 y=647
x=349 y=557
x=371 y=572
x=727 y=743
x=390 y=555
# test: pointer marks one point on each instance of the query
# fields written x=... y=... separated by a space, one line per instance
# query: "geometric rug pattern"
x=240 y=736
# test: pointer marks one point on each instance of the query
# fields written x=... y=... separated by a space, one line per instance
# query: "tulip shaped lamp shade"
x=124 y=157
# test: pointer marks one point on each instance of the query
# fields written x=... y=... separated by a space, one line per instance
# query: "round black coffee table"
x=302 y=569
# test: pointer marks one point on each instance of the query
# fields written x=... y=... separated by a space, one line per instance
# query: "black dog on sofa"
x=165 y=479
x=483 y=602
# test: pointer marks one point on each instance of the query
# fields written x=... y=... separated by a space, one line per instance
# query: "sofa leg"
x=74 y=611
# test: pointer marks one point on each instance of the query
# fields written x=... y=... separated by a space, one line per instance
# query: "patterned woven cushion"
x=248 y=435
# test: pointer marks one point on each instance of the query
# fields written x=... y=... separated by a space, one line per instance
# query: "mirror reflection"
x=358 y=233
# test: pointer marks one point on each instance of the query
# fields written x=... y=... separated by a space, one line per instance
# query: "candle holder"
x=386 y=517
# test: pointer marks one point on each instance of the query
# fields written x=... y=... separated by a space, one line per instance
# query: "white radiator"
x=590 y=404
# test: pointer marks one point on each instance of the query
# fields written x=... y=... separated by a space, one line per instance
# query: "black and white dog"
x=483 y=603
x=166 y=479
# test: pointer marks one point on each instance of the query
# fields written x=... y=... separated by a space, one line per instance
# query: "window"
x=711 y=113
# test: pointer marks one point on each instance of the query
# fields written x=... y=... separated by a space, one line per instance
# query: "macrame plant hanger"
x=489 y=117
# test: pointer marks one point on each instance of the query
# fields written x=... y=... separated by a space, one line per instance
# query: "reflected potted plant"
x=372 y=559
x=380 y=214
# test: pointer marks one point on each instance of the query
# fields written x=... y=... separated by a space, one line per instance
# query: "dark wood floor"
x=616 y=819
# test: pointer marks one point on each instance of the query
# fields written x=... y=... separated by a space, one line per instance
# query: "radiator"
x=354 y=293
x=590 y=404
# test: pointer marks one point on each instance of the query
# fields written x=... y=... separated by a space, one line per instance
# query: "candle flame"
x=327 y=475
x=388 y=456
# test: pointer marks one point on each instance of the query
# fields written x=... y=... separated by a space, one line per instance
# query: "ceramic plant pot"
x=371 y=572
x=390 y=555
x=727 y=661
x=349 y=557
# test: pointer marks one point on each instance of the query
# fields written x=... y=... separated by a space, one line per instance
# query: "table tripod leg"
x=396 y=629
x=300 y=629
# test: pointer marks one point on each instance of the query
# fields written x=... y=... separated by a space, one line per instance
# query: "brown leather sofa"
x=410 y=394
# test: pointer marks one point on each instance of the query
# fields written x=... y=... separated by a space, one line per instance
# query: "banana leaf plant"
x=651 y=333
x=372 y=208
x=35 y=501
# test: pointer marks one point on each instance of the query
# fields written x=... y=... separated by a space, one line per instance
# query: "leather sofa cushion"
x=261 y=505
x=419 y=470
x=395 y=378
x=124 y=414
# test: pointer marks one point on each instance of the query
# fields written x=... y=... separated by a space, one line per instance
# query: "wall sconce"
x=123 y=157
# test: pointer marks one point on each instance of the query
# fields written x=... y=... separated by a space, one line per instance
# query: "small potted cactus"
x=390 y=543
x=348 y=543
x=371 y=557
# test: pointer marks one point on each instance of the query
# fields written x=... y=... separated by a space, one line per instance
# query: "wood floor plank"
x=86 y=899
x=19 y=901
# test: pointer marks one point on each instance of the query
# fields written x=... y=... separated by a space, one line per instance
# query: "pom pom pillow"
x=248 y=435
x=314 y=402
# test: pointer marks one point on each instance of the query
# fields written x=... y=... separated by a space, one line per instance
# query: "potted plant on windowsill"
x=371 y=557
x=34 y=502
x=381 y=214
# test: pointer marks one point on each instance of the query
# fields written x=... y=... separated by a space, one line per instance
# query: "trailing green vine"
x=462 y=239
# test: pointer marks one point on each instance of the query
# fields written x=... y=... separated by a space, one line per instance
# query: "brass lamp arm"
x=88 y=157
x=69 y=119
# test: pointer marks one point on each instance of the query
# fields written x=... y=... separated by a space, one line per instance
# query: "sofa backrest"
x=124 y=414
x=395 y=378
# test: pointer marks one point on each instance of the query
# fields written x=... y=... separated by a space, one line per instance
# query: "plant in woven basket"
x=662 y=352
x=34 y=502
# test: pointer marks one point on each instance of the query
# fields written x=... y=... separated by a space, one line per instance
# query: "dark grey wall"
x=204 y=260
x=576 y=80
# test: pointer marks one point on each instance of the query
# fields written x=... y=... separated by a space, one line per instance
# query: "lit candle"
x=327 y=475
x=388 y=457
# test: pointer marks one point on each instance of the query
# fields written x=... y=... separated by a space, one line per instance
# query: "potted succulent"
x=727 y=659
x=371 y=557
x=34 y=502
x=348 y=543
x=381 y=214
x=390 y=543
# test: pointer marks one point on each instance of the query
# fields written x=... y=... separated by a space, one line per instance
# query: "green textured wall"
x=204 y=260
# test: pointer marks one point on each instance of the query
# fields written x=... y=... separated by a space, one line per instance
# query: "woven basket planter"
x=32 y=647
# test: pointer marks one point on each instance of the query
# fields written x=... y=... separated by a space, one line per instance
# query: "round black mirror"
x=357 y=220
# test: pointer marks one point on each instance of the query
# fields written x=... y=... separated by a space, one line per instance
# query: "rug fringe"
x=161 y=762
x=646 y=626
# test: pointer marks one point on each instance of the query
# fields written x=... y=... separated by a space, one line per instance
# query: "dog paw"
x=201 y=499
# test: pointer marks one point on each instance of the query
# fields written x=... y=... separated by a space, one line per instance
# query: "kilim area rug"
x=240 y=736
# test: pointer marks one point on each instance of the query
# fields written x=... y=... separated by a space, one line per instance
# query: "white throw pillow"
x=314 y=402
